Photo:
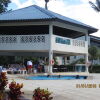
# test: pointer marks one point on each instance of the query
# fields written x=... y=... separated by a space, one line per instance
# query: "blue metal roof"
x=95 y=38
x=37 y=13
x=31 y=12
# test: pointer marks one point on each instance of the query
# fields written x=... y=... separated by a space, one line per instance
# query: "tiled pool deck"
x=63 y=89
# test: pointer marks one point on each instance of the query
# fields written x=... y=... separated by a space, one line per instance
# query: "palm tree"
x=46 y=2
x=93 y=52
x=96 y=6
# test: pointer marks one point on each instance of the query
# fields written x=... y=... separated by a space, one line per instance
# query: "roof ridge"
x=45 y=11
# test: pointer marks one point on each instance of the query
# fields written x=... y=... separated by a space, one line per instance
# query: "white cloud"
x=82 y=12
x=21 y=5
x=17 y=2
x=27 y=3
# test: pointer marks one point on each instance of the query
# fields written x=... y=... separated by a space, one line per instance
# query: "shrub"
x=15 y=90
x=70 y=68
x=41 y=94
x=3 y=81
x=95 y=69
x=3 y=84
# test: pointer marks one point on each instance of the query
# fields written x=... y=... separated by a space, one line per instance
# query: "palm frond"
x=98 y=4
x=94 y=6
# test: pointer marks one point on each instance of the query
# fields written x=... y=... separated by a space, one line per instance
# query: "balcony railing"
x=69 y=41
x=24 y=42
x=78 y=43
x=22 y=38
x=42 y=42
x=69 y=45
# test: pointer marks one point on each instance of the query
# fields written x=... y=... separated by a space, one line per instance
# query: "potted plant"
x=15 y=91
x=42 y=94
x=3 y=84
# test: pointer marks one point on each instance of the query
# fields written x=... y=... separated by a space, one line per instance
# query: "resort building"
x=92 y=41
x=38 y=32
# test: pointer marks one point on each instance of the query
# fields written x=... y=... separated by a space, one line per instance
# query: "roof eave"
x=27 y=20
x=90 y=29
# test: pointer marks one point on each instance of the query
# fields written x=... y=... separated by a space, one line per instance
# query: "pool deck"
x=72 y=73
x=64 y=73
x=62 y=89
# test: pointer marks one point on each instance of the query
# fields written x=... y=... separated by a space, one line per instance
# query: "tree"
x=46 y=2
x=96 y=6
x=4 y=5
x=5 y=60
x=93 y=54
x=99 y=53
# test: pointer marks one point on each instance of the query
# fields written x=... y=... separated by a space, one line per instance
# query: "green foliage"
x=4 y=5
x=99 y=53
x=96 y=6
x=55 y=61
x=95 y=69
x=3 y=81
x=93 y=51
x=34 y=59
x=70 y=68
x=79 y=61
x=42 y=94
x=4 y=60
x=15 y=91
x=93 y=55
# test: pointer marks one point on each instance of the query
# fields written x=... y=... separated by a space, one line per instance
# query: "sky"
x=76 y=9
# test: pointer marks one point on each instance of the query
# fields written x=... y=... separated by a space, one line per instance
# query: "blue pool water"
x=55 y=77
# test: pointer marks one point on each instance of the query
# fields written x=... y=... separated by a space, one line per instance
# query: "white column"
x=86 y=60
x=86 y=55
x=65 y=60
x=50 y=48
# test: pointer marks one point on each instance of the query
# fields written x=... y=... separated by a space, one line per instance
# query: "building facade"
x=92 y=41
x=36 y=31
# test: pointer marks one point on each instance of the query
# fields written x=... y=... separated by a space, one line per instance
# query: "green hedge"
x=95 y=69
x=70 y=68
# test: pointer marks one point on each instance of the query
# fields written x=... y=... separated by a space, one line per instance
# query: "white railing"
x=42 y=42
x=69 y=45
x=8 y=39
x=78 y=43
x=24 y=42
x=69 y=41
x=22 y=38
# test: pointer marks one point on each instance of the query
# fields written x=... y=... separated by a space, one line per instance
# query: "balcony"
x=69 y=45
x=42 y=43
x=23 y=42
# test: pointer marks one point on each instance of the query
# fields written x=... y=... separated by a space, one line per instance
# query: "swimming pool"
x=55 y=77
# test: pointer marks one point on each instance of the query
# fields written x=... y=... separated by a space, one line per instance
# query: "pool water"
x=55 y=77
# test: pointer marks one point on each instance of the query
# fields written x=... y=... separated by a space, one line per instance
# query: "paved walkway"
x=63 y=89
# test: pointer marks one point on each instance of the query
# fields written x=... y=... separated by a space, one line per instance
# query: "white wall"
x=72 y=48
x=27 y=44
